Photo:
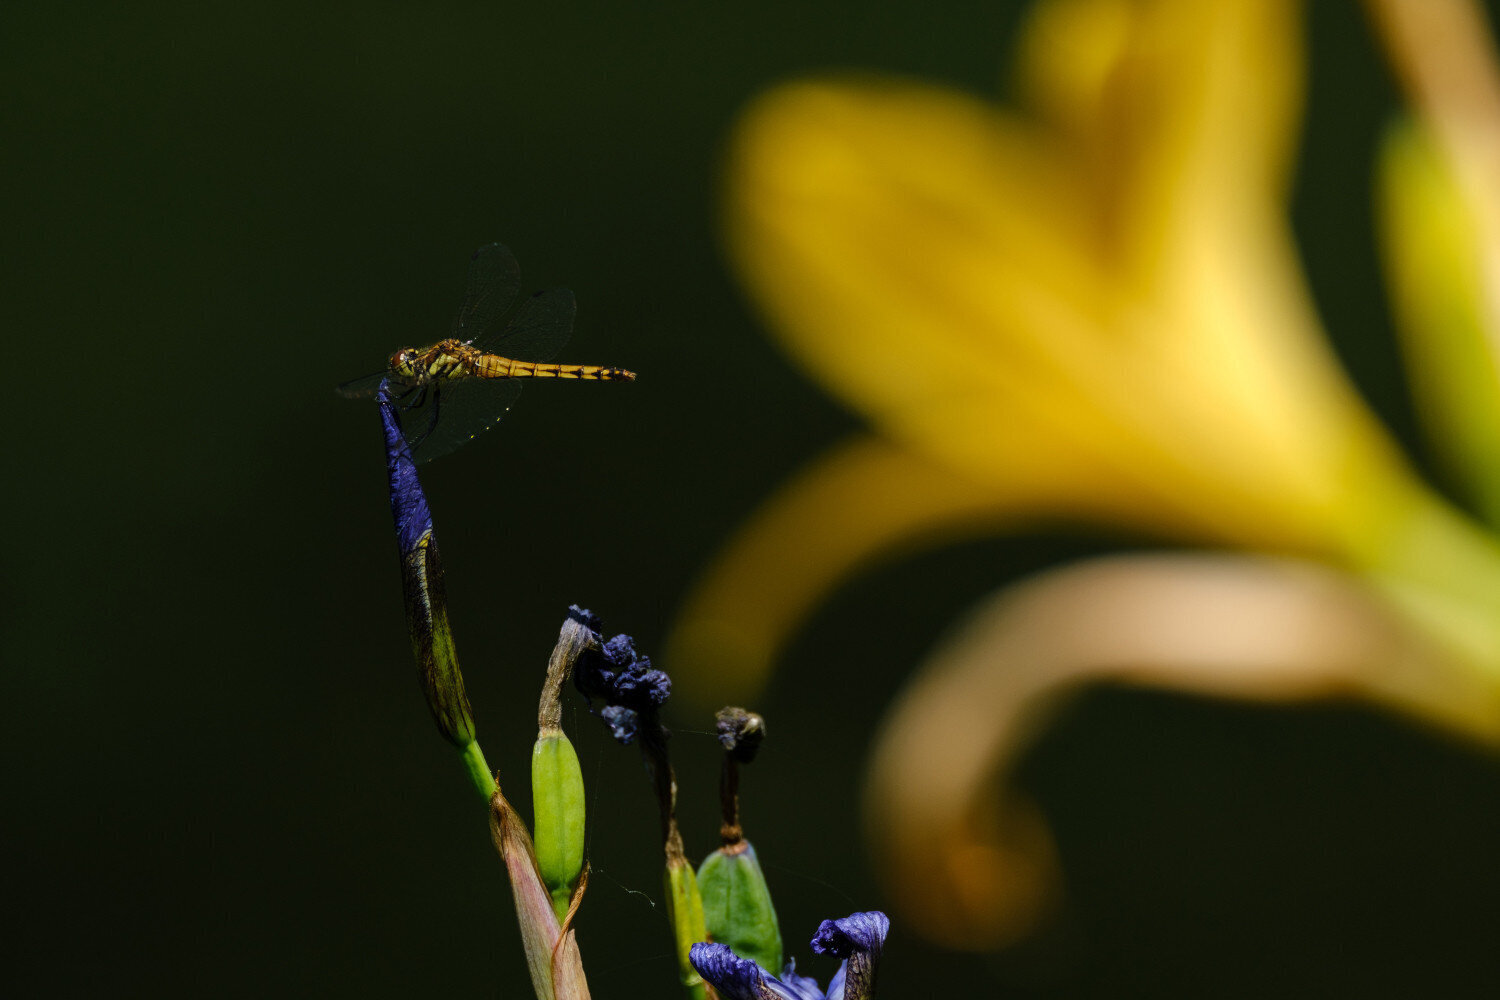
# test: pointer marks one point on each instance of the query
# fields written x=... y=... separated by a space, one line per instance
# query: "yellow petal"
x=975 y=870
x=929 y=259
x=1184 y=114
x=1177 y=107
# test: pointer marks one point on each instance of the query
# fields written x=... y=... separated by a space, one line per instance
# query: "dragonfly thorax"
x=446 y=359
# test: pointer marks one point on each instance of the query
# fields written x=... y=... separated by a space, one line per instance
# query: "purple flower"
x=858 y=939
x=801 y=987
x=856 y=932
x=738 y=978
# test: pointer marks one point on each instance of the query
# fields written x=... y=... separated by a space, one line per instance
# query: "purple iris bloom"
x=858 y=939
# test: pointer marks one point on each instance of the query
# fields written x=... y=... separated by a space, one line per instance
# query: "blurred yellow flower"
x=1090 y=311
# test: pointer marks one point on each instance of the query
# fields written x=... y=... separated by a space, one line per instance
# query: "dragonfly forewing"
x=540 y=327
x=494 y=280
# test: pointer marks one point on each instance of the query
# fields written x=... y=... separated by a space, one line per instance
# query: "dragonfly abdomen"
x=495 y=366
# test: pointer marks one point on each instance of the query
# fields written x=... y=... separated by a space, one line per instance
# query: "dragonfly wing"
x=365 y=388
x=538 y=330
x=452 y=413
x=494 y=279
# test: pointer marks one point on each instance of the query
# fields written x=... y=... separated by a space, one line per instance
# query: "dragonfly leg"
x=409 y=399
x=415 y=442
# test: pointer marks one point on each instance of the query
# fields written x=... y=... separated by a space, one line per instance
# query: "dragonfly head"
x=403 y=363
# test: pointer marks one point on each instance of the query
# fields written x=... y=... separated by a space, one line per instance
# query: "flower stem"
x=479 y=771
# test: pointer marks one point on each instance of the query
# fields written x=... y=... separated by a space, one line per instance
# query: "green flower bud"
x=557 y=800
x=685 y=910
x=557 y=796
x=737 y=906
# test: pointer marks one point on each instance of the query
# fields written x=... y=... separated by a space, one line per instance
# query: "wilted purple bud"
x=623 y=723
x=422 y=588
x=622 y=677
x=741 y=733
x=584 y=617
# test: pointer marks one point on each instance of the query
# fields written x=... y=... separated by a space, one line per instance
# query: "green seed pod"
x=737 y=906
x=557 y=799
x=685 y=910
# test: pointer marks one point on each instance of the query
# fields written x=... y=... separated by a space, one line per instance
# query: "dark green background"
x=220 y=779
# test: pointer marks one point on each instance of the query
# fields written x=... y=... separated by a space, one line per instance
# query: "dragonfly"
x=450 y=392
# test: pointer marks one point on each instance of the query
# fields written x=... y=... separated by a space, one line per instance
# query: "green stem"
x=479 y=770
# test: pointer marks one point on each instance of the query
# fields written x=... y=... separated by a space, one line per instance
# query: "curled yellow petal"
x=974 y=870
x=851 y=507
x=869 y=500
